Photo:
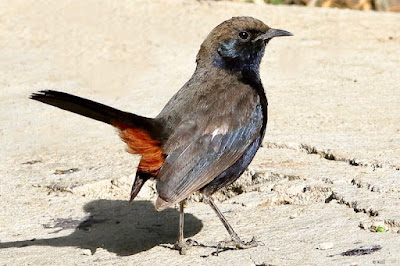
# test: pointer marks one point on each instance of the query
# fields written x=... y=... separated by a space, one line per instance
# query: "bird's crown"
x=236 y=44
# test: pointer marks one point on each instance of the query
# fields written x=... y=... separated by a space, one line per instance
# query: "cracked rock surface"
x=323 y=190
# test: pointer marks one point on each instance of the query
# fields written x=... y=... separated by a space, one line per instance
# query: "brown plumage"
x=210 y=130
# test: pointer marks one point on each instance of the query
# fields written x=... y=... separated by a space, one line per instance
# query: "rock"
x=325 y=246
x=87 y=252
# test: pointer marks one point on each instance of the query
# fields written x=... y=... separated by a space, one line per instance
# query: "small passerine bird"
x=208 y=132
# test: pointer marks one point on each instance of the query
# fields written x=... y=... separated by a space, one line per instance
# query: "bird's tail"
x=142 y=135
x=97 y=111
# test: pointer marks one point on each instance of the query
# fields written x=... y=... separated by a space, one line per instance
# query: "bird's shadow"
x=117 y=226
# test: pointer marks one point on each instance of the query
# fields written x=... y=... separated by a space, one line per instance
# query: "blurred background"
x=379 y=5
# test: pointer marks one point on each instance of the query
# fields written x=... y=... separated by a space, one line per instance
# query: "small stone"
x=325 y=246
x=378 y=223
x=87 y=252
x=366 y=225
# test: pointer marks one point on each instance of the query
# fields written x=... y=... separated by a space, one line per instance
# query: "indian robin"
x=208 y=132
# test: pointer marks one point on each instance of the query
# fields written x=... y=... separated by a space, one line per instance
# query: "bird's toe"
x=184 y=246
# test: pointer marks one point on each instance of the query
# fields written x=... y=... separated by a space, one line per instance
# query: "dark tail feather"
x=140 y=179
x=97 y=111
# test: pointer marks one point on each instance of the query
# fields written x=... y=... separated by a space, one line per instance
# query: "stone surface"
x=327 y=173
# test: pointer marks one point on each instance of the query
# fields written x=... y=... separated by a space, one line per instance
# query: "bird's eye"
x=243 y=35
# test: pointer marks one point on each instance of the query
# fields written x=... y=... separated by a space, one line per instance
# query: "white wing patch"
x=223 y=129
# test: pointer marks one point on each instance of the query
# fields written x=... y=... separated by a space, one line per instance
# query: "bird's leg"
x=228 y=227
x=235 y=238
x=181 y=245
x=181 y=222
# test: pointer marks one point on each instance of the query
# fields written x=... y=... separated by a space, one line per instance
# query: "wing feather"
x=205 y=155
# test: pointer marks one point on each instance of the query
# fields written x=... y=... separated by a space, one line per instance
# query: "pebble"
x=87 y=252
x=325 y=245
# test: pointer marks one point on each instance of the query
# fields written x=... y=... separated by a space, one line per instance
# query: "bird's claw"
x=236 y=244
x=239 y=244
x=251 y=244
x=183 y=247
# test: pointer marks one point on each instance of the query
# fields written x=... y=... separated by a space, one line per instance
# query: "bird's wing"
x=204 y=150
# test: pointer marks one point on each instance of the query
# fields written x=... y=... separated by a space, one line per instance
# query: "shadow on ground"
x=118 y=227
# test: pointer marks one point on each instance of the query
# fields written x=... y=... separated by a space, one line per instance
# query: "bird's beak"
x=271 y=33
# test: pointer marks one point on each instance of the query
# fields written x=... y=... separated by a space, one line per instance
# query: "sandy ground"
x=327 y=172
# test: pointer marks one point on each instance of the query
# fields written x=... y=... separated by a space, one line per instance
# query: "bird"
x=208 y=132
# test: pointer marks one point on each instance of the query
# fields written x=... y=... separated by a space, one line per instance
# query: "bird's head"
x=237 y=44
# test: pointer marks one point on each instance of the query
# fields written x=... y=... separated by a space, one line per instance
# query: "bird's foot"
x=184 y=246
x=250 y=244
x=239 y=244
x=236 y=244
